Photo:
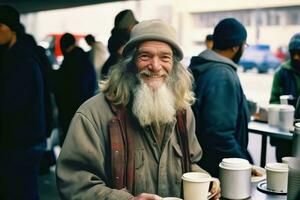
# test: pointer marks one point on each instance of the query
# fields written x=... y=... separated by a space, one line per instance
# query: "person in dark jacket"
x=22 y=114
x=124 y=22
x=76 y=82
x=287 y=82
x=115 y=47
x=221 y=110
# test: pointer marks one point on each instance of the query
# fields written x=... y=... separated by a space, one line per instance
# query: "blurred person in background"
x=209 y=42
x=75 y=82
x=115 y=47
x=48 y=158
x=286 y=81
x=22 y=112
x=280 y=54
x=124 y=22
x=221 y=109
x=97 y=53
x=129 y=141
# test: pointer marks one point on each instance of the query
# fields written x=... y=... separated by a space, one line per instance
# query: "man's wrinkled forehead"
x=153 y=46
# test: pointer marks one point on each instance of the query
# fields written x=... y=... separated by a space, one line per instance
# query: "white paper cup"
x=196 y=185
x=273 y=114
x=286 y=117
x=287 y=159
x=235 y=173
x=277 y=176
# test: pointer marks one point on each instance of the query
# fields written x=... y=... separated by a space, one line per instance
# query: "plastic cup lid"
x=235 y=164
x=278 y=167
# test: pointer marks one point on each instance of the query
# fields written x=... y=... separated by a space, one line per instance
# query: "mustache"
x=146 y=72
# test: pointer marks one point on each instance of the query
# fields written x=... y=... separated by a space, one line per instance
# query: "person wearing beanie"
x=220 y=109
x=136 y=138
x=115 y=47
x=124 y=22
x=286 y=81
x=75 y=82
x=22 y=112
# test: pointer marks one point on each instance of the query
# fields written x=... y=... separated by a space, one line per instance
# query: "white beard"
x=153 y=106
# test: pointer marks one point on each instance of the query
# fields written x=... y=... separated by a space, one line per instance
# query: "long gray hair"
x=122 y=79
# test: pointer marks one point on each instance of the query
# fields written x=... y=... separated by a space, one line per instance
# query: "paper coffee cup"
x=235 y=173
x=287 y=159
x=277 y=176
x=196 y=185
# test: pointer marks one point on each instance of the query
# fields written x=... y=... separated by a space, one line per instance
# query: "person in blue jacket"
x=22 y=112
x=220 y=109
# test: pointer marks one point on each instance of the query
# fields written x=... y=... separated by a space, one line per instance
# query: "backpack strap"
x=122 y=150
x=182 y=134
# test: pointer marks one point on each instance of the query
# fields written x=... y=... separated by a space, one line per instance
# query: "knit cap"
x=125 y=19
x=295 y=42
x=229 y=33
x=157 y=30
x=10 y=17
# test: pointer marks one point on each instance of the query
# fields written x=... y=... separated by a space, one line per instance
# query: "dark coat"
x=22 y=115
x=75 y=83
x=220 y=110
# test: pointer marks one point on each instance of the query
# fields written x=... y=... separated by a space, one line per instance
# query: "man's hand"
x=215 y=190
x=146 y=196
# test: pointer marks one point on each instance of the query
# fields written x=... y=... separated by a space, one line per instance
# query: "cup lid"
x=278 y=167
x=197 y=177
x=235 y=164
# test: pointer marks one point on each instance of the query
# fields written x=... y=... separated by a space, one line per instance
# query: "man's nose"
x=155 y=64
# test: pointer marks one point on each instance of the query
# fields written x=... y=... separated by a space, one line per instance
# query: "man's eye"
x=166 y=58
x=144 y=57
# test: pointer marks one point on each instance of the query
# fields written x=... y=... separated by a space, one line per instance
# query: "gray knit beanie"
x=295 y=42
x=153 y=30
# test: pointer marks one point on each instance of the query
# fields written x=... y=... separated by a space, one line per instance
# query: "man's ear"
x=235 y=49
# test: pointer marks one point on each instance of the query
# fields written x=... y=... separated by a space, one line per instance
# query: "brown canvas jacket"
x=83 y=165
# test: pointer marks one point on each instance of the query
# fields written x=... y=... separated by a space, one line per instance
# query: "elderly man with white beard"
x=136 y=138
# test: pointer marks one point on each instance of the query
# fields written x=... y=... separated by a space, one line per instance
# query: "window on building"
x=293 y=17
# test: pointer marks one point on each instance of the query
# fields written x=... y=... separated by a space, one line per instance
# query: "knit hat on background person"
x=295 y=42
x=10 y=17
x=125 y=19
x=118 y=39
x=229 y=33
x=157 y=30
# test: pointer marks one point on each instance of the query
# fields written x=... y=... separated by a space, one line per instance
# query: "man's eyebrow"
x=162 y=51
